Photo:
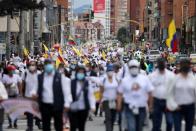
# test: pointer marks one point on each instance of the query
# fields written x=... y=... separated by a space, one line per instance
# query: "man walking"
x=160 y=78
x=54 y=96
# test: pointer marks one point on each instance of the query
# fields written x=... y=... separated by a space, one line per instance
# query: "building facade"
x=107 y=17
x=88 y=31
x=121 y=15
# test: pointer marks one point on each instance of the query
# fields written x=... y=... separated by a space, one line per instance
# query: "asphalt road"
x=95 y=125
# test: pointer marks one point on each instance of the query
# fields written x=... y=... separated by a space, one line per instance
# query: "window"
x=2 y=37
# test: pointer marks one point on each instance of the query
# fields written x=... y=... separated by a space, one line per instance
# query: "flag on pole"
x=77 y=51
x=25 y=51
x=71 y=40
x=172 y=41
x=103 y=55
x=45 y=48
x=60 y=59
x=47 y=52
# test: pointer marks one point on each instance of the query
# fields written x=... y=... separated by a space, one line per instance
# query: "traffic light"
x=92 y=14
x=12 y=39
x=142 y=38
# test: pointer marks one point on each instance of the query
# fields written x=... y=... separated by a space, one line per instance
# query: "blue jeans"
x=186 y=112
x=135 y=122
x=159 y=107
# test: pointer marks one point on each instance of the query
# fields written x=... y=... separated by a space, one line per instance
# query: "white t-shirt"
x=135 y=90
x=110 y=89
x=30 y=80
x=14 y=80
x=185 y=89
x=160 y=81
x=81 y=101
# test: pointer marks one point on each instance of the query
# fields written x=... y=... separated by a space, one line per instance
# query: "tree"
x=122 y=35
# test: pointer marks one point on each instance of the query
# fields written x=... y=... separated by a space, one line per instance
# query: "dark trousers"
x=159 y=108
x=30 y=120
x=78 y=120
x=97 y=109
x=186 y=112
x=1 y=118
x=110 y=115
x=47 y=113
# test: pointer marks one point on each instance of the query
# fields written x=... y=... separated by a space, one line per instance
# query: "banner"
x=99 y=6
x=17 y=107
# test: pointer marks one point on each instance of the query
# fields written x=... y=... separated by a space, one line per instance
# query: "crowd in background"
x=123 y=88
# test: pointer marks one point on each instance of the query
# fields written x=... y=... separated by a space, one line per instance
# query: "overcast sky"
x=78 y=3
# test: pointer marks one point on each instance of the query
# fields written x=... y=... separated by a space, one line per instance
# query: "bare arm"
x=119 y=101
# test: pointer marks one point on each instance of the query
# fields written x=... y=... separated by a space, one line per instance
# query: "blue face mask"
x=49 y=68
x=80 y=76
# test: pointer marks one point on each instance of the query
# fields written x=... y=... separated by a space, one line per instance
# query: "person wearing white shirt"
x=29 y=79
x=83 y=100
x=54 y=96
x=109 y=96
x=136 y=90
x=13 y=85
x=160 y=78
x=3 y=96
x=184 y=94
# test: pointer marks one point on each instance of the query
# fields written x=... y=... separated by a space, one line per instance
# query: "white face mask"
x=134 y=71
x=32 y=68
x=110 y=73
x=61 y=70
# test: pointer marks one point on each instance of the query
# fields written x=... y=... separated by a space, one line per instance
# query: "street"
x=96 y=125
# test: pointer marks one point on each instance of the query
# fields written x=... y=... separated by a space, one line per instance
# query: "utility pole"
x=31 y=32
x=59 y=22
x=8 y=35
x=22 y=32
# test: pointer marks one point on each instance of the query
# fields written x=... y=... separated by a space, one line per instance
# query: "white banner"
x=17 y=107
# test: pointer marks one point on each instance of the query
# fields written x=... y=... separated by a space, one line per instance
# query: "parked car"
x=181 y=56
x=193 y=58
x=153 y=55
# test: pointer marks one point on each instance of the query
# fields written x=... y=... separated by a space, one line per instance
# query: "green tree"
x=122 y=35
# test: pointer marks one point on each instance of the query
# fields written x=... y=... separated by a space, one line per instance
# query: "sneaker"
x=39 y=126
x=90 y=119
x=29 y=129
x=67 y=126
x=15 y=126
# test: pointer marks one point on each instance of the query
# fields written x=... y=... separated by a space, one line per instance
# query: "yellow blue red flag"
x=172 y=41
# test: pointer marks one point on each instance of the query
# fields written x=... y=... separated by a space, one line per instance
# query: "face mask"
x=49 y=68
x=80 y=76
x=32 y=68
x=101 y=72
x=134 y=71
x=61 y=70
x=88 y=69
x=12 y=72
x=110 y=73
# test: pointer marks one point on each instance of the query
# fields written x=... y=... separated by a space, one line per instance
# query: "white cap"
x=133 y=63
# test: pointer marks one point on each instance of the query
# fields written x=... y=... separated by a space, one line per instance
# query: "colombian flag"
x=172 y=41
x=47 y=52
x=25 y=51
x=71 y=40
x=60 y=59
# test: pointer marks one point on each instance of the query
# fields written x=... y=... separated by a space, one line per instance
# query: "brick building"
x=89 y=31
